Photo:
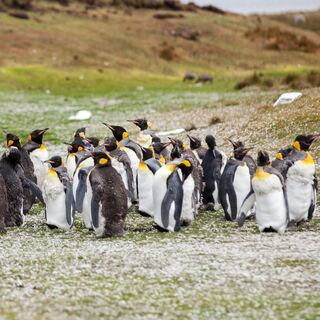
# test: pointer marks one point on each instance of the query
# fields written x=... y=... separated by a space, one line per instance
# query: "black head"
x=240 y=153
x=55 y=161
x=156 y=139
x=195 y=143
x=177 y=143
x=283 y=153
x=147 y=153
x=236 y=144
x=94 y=141
x=110 y=144
x=37 y=135
x=160 y=146
x=14 y=155
x=77 y=145
x=118 y=132
x=101 y=159
x=175 y=153
x=186 y=168
x=263 y=159
x=13 y=140
x=211 y=141
x=143 y=124
x=81 y=132
x=304 y=142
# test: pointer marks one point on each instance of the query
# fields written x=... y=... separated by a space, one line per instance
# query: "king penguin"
x=212 y=165
x=167 y=193
x=269 y=193
x=58 y=196
x=146 y=171
x=301 y=180
x=196 y=147
x=107 y=197
x=38 y=154
x=145 y=135
x=235 y=184
x=28 y=168
x=281 y=162
x=9 y=164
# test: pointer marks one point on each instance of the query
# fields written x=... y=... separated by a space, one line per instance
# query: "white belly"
x=188 y=203
x=145 y=181
x=134 y=166
x=86 y=210
x=40 y=168
x=71 y=165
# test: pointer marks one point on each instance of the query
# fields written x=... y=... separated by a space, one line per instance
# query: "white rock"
x=287 y=97
x=81 y=115
x=166 y=133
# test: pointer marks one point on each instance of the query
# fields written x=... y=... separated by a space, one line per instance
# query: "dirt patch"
x=274 y=38
x=168 y=52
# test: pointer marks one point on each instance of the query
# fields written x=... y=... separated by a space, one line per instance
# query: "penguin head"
x=179 y=144
x=37 y=135
x=263 y=159
x=283 y=153
x=94 y=141
x=143 y=124
x=81 y=133
x=14 y=155
x=156 y=139
x=118 y=132
x=160 y=146
x=55 y=161
x=175 y=153
x=110 y=144
x=78 y=145
x=303 y=142
x=236 y=144
x=147 y=153
x=211 y=141
x=241 y=152
x=13 y=140
x=195 y=143
x=101 y=159
x=186 y=168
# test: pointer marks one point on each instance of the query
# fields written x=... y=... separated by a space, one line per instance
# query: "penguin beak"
x=44 y=130
x=191 y=138
x=109 y=126
x=133 y=121
x=233 y=144
x=172 y=141
x=315 y=137
x=48 y=161
x=4 y=132
x=246 y=150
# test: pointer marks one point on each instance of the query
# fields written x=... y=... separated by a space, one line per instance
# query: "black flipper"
x=174 y=194
x=247 y=204
x=153 y=164
x=81 y=188
x=27 y=183
x=312 y=207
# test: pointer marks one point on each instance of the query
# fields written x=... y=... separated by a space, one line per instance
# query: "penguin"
x=146 y=171
x=235 y=184
x=212 y=166
x=121 y=162
x=247 y=158
x=9 y=166
x=90 y=142
x=167 y=190
x=196 y=147
x=107 y=197
x=122 y=136
x=301 y=180
x=38 y=154
x=28 y=168
x=281 y=162
x=145 y=135
x=161 y=152
x=3 y=204
x=269 y=193
x=76 y=151
x=58 y=196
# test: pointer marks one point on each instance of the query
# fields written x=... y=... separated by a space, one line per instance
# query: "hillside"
x=125 y=43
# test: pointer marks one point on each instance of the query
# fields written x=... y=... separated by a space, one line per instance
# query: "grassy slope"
x=40 y=52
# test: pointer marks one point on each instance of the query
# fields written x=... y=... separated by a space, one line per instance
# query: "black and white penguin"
x=89 y=142
x=281 y=162
x=122 y=136
x=121 y=162
x=161 y=152
x=301 y=180
x=9 y=166
x=145 y=135
x=58 y=196
x=167 y=193
x=235 y=184
x=107 y=197
x=269 y=194
x=76 y=152
x=28 y=168
x=247 y=158
x=212 y=166
x=146 y=171
x=196 y=147
x=38 y=154
x=3 y=204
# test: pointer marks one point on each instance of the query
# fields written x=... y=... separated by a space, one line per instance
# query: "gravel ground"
x=212 y=270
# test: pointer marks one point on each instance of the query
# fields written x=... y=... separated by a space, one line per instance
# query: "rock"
x=81 y=115
x=19 y=15
x=166 y=133
x=287 y=98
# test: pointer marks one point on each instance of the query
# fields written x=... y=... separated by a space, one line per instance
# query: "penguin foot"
x=185 y=223
x=301 y=223
x=51 y=226
x=159 y=228
x=270 y=229
x=291 y=224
